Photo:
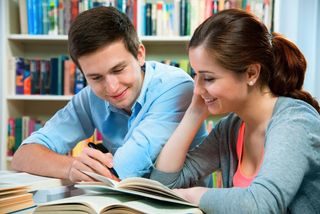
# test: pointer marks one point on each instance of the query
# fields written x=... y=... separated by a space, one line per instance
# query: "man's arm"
x=38 y=159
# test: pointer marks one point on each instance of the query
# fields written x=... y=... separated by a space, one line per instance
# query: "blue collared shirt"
x=135 y=140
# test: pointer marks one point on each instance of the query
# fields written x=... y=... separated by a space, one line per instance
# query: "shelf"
x=39 y=97
x=27 y=38
x=38 y=39
x=161 y=39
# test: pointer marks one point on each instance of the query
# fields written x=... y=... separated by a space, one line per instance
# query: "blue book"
x=60 y=76
x=39 y=18
x=30 y=13
x=54 y=76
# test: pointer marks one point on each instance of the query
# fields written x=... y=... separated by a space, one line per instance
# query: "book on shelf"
x=54 y=17
x=135 y=186
x=14 y=198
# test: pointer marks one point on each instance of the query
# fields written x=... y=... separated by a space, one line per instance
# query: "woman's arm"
x=176 y=148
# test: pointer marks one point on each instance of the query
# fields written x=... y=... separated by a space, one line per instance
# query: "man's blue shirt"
x=135 y=140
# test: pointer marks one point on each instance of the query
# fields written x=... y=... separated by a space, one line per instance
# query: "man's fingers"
x=97 y=161
x=75 y=175
x=103 y=158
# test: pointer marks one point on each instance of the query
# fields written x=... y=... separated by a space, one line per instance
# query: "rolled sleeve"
x=67 y=127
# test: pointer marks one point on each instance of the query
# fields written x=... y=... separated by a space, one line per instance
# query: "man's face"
x=114 y=74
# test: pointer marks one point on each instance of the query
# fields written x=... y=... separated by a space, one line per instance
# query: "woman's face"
x=222 y=90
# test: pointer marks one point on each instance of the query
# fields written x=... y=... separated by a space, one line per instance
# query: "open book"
x=133 y=186
x=14 y=198
x=112 y=203
x=131 y=195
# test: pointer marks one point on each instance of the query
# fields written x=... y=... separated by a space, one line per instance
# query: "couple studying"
x=152 y=116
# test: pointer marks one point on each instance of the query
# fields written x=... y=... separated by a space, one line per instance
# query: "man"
x=135 y=104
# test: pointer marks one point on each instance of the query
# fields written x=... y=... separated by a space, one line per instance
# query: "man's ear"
x=141 y=55
x=253 y=73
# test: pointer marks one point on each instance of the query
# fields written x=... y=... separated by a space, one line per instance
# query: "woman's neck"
x=258 y=110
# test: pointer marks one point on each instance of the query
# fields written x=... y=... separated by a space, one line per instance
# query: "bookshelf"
x=33 y=46
x=15 y=44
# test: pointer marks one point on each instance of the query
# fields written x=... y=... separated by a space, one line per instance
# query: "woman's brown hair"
x=237 y=39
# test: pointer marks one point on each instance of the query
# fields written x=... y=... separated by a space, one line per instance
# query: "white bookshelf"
x=13 y=44
x=3 y=159
x=40 y=46
x=39 y=97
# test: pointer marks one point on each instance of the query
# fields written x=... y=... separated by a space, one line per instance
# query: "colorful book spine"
x=45 y=76
x=26 y=78
x=19 y=75
x=35 y=76
x=53 y=17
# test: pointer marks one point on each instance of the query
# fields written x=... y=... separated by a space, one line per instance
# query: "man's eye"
x=117 y=71
x=96 y=78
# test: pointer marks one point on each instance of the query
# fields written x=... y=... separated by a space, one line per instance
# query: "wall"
x=2 y=54
x=299 y=20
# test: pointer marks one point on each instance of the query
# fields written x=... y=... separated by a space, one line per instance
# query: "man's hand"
x=91 y=160
x=193 y=195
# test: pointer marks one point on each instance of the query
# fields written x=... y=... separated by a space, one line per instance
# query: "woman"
x=268 y=146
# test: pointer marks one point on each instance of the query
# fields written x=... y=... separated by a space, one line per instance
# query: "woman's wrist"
x=197 y=114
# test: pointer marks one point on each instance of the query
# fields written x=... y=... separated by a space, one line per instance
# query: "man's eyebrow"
x=117 y=66
x=93 y=75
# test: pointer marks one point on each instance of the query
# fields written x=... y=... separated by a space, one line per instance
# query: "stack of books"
x=14 y=198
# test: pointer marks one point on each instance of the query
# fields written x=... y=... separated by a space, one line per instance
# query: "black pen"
x=103 y=149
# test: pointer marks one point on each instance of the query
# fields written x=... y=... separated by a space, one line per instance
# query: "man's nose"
x=111 y=85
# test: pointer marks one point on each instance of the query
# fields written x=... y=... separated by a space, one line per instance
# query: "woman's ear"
x=253 y=72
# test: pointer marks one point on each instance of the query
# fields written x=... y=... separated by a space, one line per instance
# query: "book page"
x=155 y=206
x=105 y=180
x=98 y=188
x=90 y=203
x=12 y=188
x=35 y=182
x=138 y=184
x=147 y=186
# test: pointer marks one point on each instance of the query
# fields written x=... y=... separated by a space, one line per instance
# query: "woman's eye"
x=208 y=79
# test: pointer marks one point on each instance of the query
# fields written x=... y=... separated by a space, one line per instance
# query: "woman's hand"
x=199 y=107
x=193 y=195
